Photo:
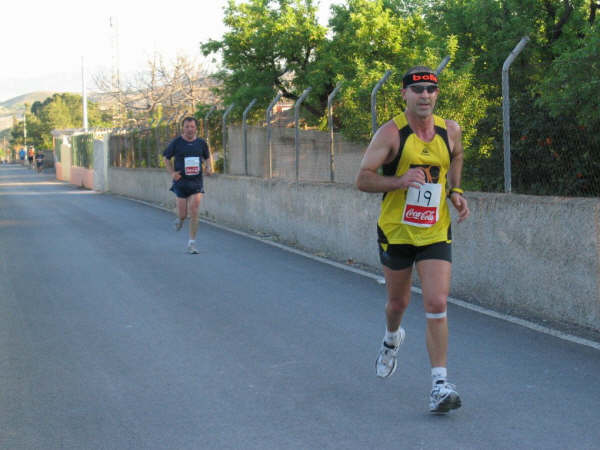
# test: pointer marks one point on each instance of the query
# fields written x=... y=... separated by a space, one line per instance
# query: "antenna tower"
x=115 y=76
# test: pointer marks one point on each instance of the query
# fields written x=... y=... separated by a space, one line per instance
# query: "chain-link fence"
x=141 y=148
x=278 y=151
x=57 y=146
x=550 y=154
x=555 y=156
x=312 y=156
x=82 y=150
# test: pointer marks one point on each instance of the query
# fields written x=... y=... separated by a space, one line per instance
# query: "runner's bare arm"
x=175 y=175
x=381 y=150
x=455 y=171
x=208 y=165
x=456 y=165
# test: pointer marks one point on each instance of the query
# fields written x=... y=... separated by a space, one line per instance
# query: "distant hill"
x=6 y=133
x=17 y=103
x=6 y=122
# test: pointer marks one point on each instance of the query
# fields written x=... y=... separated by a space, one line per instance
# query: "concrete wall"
x=101 y=164
x=531 y=253
x=80 y=176
x=94 y=178
x=58 y=170
x=65 y=162
x=314 y=149
x=535 y=255
x=150 y=185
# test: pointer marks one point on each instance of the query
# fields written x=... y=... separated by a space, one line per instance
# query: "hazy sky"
x=43 y=41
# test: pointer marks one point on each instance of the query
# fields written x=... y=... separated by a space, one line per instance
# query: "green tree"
x=279 y=46
x=546 y=103
x=370 y=37
x=270 y=47
x=574 y=71
x=61 y=111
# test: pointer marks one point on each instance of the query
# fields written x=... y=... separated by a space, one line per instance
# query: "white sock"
x=191 y=242
x=438 y=374
x=392 y=337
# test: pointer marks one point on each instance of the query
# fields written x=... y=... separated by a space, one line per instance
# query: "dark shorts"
x=184 y=187
x=403 y=256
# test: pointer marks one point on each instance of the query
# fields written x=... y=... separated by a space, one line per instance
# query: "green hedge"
x=83 y=151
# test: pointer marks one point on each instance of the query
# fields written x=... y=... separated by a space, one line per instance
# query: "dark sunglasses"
x=418 y=89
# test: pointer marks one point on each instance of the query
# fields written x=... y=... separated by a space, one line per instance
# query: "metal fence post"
x=330 y=123
x=297 y=135
x=374 y=100
x=442 y=65
x=269 y=144
x=224 y=133
x=205 y=124
x=245 y=128
x=506 y=111
x=156 y=157
x=148 y=150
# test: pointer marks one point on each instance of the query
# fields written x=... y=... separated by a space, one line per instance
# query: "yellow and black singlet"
x=417 y=216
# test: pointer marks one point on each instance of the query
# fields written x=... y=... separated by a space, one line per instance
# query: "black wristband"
x=458 y=191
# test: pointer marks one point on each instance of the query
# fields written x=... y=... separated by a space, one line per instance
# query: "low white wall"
x=101 y=164
x=150 y=185
x=536 y=255
x=314 y=149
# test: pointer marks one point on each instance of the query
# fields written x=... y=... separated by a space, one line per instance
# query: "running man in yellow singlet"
x=421 y=157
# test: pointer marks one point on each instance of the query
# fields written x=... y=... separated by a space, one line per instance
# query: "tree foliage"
x=553 y=108
x=554 y=118
x=278 y=46
x=271 y=46
x=61 y=111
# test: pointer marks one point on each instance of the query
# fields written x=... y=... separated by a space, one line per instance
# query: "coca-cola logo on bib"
x=420 y=214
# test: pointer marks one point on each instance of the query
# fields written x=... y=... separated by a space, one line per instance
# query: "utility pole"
x=83 y=87
x=25 y=128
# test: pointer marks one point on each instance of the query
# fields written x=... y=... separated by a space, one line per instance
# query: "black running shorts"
x=185 y=187
x=403 y=256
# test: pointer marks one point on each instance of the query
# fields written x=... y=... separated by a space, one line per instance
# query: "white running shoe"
x=387 y=360
x=192 y=250
x=443 y=398
x=177 y=224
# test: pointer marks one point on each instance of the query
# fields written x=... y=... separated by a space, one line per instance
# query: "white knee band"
x=441 y=315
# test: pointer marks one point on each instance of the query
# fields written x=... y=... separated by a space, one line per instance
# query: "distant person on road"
x=421 y=157
x=191 y=154
x=30 y=155
x=39 y=161
x=22 y=155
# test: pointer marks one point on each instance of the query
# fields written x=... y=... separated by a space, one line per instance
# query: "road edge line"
x=379 y=279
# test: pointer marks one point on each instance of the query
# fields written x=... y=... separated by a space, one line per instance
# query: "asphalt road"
x=112 y=337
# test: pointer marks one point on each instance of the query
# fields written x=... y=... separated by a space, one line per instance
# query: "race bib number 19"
x=192 y=165
x=422 y=205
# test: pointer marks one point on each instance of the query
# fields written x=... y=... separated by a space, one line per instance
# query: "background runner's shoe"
x=443 y=398
x=177 y=224
x=387 y=359
x=192 y=250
